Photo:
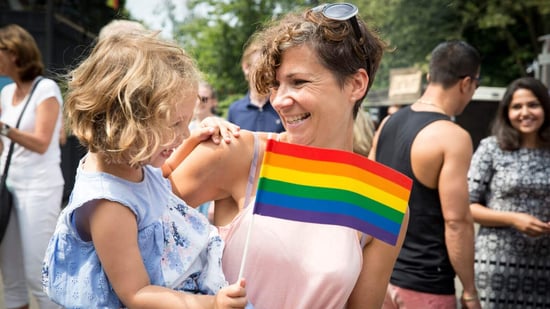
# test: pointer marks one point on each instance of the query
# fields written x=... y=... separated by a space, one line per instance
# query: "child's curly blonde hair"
x=120 y=99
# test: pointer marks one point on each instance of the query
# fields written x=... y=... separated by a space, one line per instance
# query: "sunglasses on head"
x=344 y=12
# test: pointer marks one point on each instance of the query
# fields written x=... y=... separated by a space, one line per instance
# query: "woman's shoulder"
x=46 y=82
x=48 y=87
x=489 y=142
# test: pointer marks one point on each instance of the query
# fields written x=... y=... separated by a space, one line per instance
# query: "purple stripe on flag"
x=324 y=218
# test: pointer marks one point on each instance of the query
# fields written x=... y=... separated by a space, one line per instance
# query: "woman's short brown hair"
x=20 y=42
x=334 y=42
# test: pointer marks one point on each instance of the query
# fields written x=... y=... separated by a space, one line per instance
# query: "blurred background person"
x=393 y=108
x=509 y=185
x=206 y=105
x=254 y=111
x=422 y=142
x=35 y=178
x=363 y=131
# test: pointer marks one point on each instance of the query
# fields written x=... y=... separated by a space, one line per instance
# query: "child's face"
x=179 y=124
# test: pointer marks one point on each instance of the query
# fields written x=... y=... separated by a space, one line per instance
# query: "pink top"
x=292 y=264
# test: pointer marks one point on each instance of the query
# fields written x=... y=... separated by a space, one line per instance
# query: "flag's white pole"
x=245 y=250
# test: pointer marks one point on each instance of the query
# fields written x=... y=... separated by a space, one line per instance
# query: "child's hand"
x=221 y=127
x=233 y=296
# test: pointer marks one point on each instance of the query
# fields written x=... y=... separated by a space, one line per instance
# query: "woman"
x=317 y=69
x=34 y=178
x=509 y=181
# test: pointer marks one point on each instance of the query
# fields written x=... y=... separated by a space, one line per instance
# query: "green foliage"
x=505 y=32
x=412 y=29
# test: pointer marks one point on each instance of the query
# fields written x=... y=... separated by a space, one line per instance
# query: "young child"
x=124 y=239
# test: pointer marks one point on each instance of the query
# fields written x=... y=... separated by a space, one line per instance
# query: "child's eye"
x=177 y=124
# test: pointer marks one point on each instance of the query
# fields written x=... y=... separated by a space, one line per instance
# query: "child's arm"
x=113 y=229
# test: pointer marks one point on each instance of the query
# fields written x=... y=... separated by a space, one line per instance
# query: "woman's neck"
x=258 y=100
x=530 y=140
x=22 y=89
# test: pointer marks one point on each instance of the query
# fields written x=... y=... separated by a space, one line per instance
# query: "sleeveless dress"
x=291 y=264
x=512 y=269
x=180 y=249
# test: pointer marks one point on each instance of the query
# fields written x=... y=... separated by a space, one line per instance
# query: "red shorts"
x=400 y=298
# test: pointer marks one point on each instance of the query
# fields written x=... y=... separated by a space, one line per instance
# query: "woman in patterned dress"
x=509 y=184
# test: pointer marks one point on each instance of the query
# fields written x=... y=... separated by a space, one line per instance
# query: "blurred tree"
x=412 y=29
x=504 y=31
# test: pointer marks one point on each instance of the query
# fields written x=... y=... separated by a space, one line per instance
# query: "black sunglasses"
x=344 y=12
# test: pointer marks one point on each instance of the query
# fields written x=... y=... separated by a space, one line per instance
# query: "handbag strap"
x=12 y=144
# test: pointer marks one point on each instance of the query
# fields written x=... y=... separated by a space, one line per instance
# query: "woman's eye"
x=533 y=104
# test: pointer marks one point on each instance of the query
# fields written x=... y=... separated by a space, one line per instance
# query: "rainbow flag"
x=330 y=186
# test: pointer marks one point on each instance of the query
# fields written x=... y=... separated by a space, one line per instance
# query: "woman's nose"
x=281 y=98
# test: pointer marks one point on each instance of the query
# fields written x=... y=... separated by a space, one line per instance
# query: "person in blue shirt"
x=253 y=112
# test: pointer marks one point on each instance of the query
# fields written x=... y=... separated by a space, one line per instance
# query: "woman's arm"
x=378 y=261
x=525 y=223
x=39 y=140
x=480 y=175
